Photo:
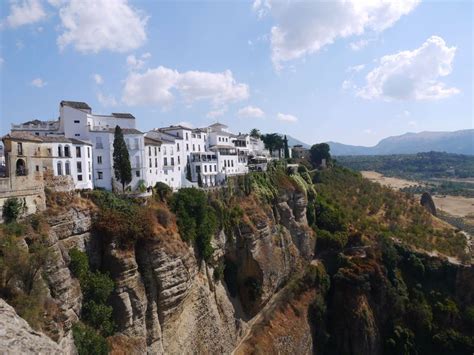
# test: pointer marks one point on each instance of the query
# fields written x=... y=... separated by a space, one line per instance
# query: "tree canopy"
x=255 y=133
x=122 y=167
x=318 y=152
x=273 y=141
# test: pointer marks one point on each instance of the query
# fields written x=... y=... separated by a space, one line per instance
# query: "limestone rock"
x=17 y=337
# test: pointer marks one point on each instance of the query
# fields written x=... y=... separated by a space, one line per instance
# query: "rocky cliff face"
x=17 y=337
x=165 y=299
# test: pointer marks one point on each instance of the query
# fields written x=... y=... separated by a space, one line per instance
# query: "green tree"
x=88 y=341
x=255 y=133
x=273 y=141
x=318 y=152
x=122 y=167
x=12 y=209
x=285 y=144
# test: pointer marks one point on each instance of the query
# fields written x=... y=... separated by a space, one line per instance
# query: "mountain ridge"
x=457 y=142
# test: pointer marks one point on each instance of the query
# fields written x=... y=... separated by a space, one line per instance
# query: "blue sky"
x=352 y=72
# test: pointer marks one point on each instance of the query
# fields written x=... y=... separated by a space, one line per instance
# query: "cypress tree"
x=122 y=167
x=287 y=151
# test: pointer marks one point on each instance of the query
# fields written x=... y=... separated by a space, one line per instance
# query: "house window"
x=20 y=148
x=49 y=152
x=177 y=147
x=79 y=167
x=79 y=177
x=67 y=152
x=215 y=167
x=100 y=175
x=155 y=151
x=149 y=150
x=179 y=160
x=99 y=159
x=198 y=169
x=150 y=162
x=171 y=150
x=67 y=168
x=164 y=150
x=205 y=168
x=78 y=152
x=77 y=121
x=88 y=152
x=37 y=168
x=60 y=168
x=194 y=147
x=60 y=151
x=187 y=147
x=90 y=177
x=137 y=173
x=98 y=143
x=172 y=161
x=77 y=135
x=165 y=161
x=187 y=136
x=156 y=162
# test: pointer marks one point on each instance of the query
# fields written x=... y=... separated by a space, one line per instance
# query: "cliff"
x=265 y=286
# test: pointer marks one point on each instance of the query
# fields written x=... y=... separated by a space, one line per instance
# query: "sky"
x=347 y=71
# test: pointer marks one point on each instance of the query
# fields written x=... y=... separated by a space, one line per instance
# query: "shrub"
x=99 y=316
x=196 y=220
x=88 y=341
x=12 y=209
x=327 y=240
x=219 y=272
x=79 y=263
x=163 y=190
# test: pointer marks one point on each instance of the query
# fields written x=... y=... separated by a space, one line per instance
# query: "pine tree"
x=122 y=167
x=287 y=151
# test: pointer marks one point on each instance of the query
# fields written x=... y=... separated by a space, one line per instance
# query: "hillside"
x=458 y=142
x=310 y=262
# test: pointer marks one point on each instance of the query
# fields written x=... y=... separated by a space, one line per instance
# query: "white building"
x=70 y=157
x=153 y=160
x=77 y=121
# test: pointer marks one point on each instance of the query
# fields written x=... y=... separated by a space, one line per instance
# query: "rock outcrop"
x=17 y=337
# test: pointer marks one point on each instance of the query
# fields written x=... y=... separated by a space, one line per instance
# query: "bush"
x=12 y=209
x=219 y=272
x=164 y=217
x=99 y=316
x=88 y=341
x=79 y=263
x=196 y=219
x=163 y=190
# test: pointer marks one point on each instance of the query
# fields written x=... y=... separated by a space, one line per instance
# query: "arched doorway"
x=21 y=168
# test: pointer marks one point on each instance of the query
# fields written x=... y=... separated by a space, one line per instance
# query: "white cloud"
x=106 y=100
x=412 y=123
x=406 y=113
x=347 y=85
x=25 y=12
x=304 y=27
x=136 y=63
x=216 y=113
x=412 y=74
x=98 y=79
x=358 y=45
x=2 y=61
x=286 y=118
x=251 y=112
x=38 y=82
x=159 y=85
x=95 y=25
x=355 y=68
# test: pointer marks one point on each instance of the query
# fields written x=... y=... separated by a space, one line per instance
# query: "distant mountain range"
x=293 y=141
x=458 y=142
